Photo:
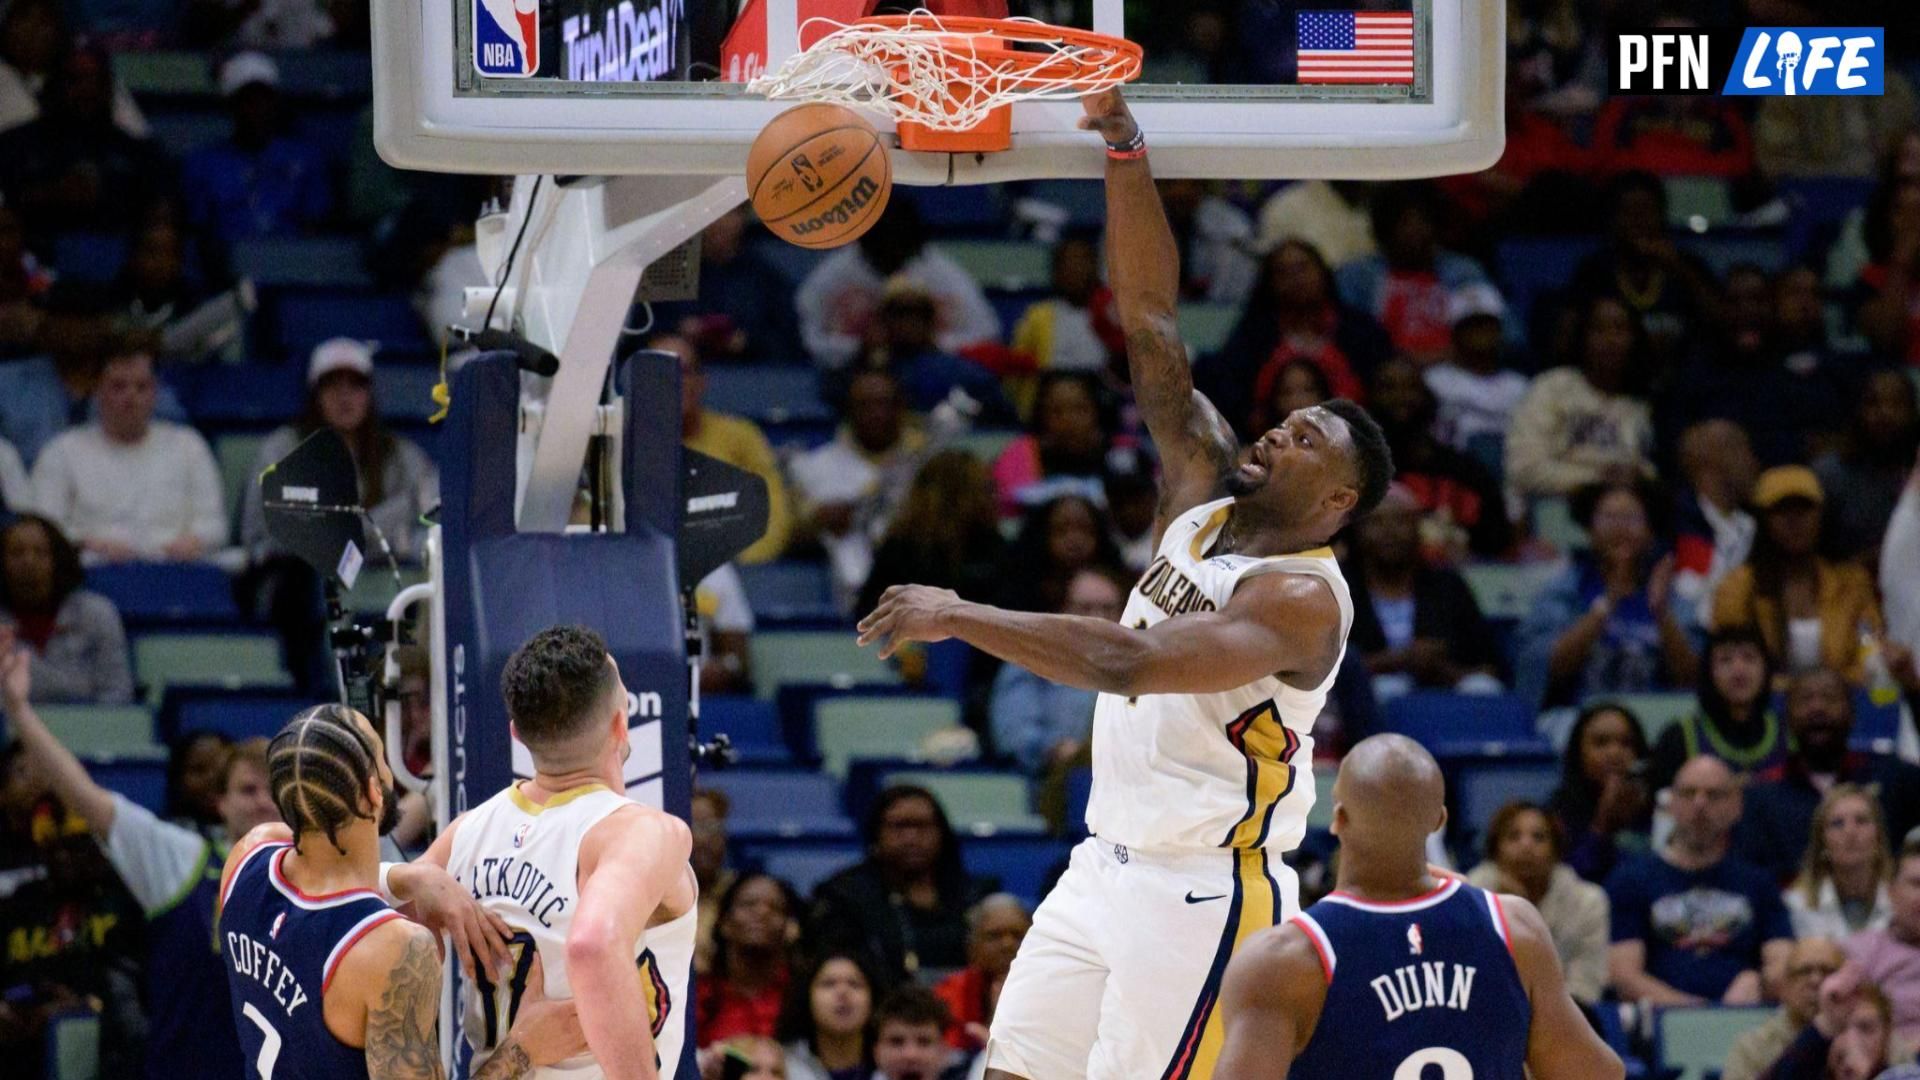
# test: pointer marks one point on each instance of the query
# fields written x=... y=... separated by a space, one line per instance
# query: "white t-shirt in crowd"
x=144 y=494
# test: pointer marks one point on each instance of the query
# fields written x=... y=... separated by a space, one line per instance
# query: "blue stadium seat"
x=781 y=804
x=1483 y=787
x=752 y=725
x=969 y=208
x=1085 y=201
x=166 y=592
x=143 y=782
x=338 y=262
x=1691 y=1042
x=308 y=318
x=767 y=394
x=405 y=391
x=793 y=263
x=1531 y=268
x=787 y=591
x=237 y=716
x=89 y=256
x=1455 y=725
x=1012 y=304
x=182 y=133
x=1724 y=249
x=803 y=866
x=326 y=74
x=1875 y=727
x=241 y=394
x=1022 y=864
x=1079 y=791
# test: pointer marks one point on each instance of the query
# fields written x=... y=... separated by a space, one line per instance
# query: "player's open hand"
x=908 y=613
x=548 y=1031
x=435 y=900
x=1107 y=113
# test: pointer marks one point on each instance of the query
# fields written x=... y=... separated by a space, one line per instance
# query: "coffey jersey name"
x=257 y=961
x=523 y=883
x=1424 y=986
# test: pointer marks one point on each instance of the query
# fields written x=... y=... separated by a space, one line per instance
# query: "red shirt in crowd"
x=722 y=1012
x=965 y=992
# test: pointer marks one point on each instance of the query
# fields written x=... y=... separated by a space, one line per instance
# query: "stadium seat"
x=1697 y=203
x=831 y=657
x=752 y=725
x=845 y=728
x=241 y=395
x=326 y=74
x=376 y=587
x=1875 y=727
x=1656 y=710
x=1321 y=816
x=1506 y=590
x=237 y=452
x=1455 y=725
x=182 y=133
x=104 y=732
x=793 y=263
x=238 y=716
x=964 y=208
x=73 y=1045
x=789 y=591
x=1021 y=864
x=89 y=256
x=1205 y=327
x=1483 y=787
x=1553 y=522
x=307 y=319
x=987 y=445
x=171 y=592
x=1532 y=268
x=780 y=804
x=1725 y=249
x=405 y=391
x=1003 y=264
x=767 y=394
x=338 y=262
x=1085 y=201
x=141 y=780
x=1079 y=792
x=214 y=661
x=804 y=866
x=165 y=74
x=1694 y=1040
x=978 y=802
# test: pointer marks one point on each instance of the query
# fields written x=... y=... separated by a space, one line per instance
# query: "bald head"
x=1704 y=801
x=1388 y=798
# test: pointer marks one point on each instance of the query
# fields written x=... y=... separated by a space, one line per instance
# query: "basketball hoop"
x=950 y=82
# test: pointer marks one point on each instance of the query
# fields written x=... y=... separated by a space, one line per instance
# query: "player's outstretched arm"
x=1276 y=624
x=1196 y=445
x=1270 y=1001
x=424 y=892
x=628 y=863
x=1561 y=1045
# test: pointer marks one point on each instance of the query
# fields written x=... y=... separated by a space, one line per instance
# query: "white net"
x=945 y=77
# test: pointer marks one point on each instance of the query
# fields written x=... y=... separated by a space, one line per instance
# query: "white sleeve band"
x=386 y=893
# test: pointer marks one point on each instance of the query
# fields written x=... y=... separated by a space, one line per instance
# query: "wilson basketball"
x=818 y=175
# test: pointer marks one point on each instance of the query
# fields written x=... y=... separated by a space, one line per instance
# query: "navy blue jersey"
x=186 y=1039
x=282 y=947
x=1428 y=981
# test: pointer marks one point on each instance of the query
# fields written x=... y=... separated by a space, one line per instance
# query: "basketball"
x=818 y=176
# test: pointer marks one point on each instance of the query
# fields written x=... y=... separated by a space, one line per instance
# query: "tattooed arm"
x=1197 y=447
x=391 y=979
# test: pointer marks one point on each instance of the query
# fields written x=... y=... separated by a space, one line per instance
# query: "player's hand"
x=435 y=900
x=1107 y=113
x=908 y=613
x=549 y=1031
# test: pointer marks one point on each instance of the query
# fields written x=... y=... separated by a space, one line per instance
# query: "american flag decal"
x=1355 y=46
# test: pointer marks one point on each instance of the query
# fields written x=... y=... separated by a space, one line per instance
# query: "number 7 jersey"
x=521 y=860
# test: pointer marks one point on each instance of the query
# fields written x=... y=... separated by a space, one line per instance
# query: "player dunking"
x=1399 y=973
x=593 y=884
x=1209 y=691
x=327 y=981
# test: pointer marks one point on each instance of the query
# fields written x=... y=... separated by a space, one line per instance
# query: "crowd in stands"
x=1652 y=384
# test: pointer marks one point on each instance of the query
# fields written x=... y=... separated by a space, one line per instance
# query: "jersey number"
x=1453 y=1065
x=269 y=1041
x=503 y=1002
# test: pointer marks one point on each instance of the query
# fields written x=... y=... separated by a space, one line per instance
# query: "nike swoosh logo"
x=1192 y=899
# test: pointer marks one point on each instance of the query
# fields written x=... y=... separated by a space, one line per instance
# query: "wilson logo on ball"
x=841 y=212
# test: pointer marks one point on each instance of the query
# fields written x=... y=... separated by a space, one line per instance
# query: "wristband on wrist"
x=1131 y=149
x=386 y=891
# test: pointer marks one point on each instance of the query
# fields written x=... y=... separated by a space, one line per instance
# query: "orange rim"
x=998 y=46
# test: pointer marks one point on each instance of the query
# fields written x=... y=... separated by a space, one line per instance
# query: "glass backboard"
x=1249 y=89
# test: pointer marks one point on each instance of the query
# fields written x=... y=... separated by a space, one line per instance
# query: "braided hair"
x=318 y=768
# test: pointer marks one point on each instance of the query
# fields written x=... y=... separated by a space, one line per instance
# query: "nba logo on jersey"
x=520 y=834
x=506 y=38
x=278 y=921
x=1413 y=938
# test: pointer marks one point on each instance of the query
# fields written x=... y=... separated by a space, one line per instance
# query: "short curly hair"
x=557 y=685
x=1372 y=459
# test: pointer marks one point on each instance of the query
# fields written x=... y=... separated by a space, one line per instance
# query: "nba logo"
x=1413 y=938
x=520 y=834
x=506 y=38
x=278 y=921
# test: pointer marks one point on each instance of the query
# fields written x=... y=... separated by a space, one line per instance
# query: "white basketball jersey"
x=1232 y=769
x=522 y=861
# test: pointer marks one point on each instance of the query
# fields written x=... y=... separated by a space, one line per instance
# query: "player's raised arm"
x=423 y=891
x=65 y=774
x=628 y=863
x=1196 y=445
x=1270 y=1002
x=1561 y=1044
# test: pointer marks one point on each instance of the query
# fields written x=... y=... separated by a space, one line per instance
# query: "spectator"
x=905 y=904
x=748 y=971
x=1864 y=477
x=196 y=768
x=1900 y=591
x=1735 y=721
x=708 y=819
x=1415 y=624
x=1673 y=137
x=261 y=181
x=1842 y=887
x=1464 y=509
x=1327 y=216
x=1295 y=316
x=165 y=867
x=72 y=168
x=26 y=289
x=1886 y=310
x=839 y=300
x=1890 y=958
x=1132 y=499
x=42 y=396
x=827 y=1022
x=1836 y=136
x=414 y=694
x=1820 y=380
x=158 y=301
x=1808 y=965
x=1524 y=849
x=1065 y=449
x=1215 y=239
x=1851 y=250
x=907 y=1029
x=732 y=439
x=726 y=623
x=1580 y=425
x=1848 y=1039
x=1555 y=60
x=1475 y=389
x=1782 y=799
x=757 y=1058
x=1809 y=611
x=1603 y=806
x=1057 y=539
x=848 y=491
x=745 y=308
x=1073 y=329
x=1285 y=389
x=128 y=486
x=1694 y=923
x=33 y=36
x=946 y=535
x=77 y=647
x=1408 y=284
x=1713 y=533
x=1665 y=291
x=995 y=928
x=1043 y=725
x=1606 y=624
x=903 y=340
